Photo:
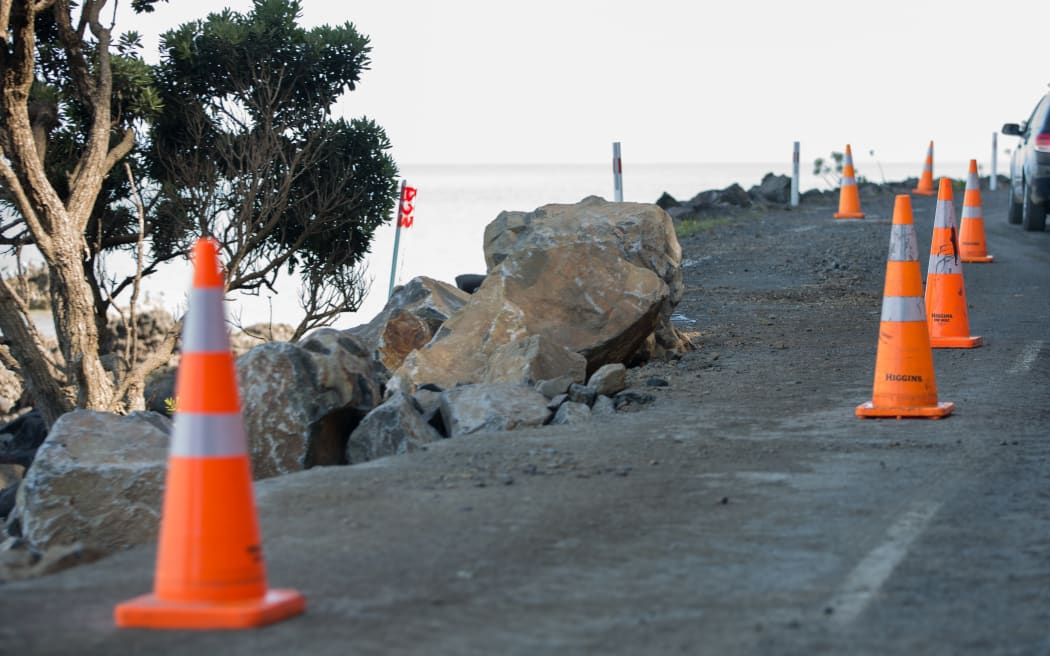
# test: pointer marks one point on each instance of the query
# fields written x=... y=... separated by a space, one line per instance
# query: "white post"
x=617 y=173
x=794 y=176
x=992 y=179
x=397 y=238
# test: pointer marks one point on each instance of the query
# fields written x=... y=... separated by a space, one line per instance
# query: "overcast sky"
x=478 y=81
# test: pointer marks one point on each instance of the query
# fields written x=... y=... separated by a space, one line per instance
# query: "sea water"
x=454 y=203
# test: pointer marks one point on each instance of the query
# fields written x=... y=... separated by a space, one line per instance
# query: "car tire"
x=1013 y=214
x=1033 y=215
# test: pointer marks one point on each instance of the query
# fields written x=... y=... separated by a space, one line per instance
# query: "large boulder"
x=301 y=401
x=414 y=313
x=578 y=297
x=643 y=234
x=97 y=481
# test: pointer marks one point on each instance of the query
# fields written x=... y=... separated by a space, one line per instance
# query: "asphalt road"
x=747 y=512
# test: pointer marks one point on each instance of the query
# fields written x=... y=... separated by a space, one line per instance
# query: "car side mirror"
x=1012 y=129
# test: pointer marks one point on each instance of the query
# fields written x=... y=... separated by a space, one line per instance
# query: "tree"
x=246 y=149
x=248 y=154
x=54 y=207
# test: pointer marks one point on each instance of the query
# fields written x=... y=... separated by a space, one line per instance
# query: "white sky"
x=478 y=81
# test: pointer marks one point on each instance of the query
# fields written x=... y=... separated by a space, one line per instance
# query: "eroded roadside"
x=746 y=511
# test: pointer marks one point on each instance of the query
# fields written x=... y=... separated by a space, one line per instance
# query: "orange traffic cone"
x=904 y=382
x=972 y=244
x=210 y=572
x=945 y=292
x=925 y=186
x=849 y=200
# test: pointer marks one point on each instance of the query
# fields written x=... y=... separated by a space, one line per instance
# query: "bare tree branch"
x=72 y=42
x=133 y=384
x=132 y=354
x=25 y=206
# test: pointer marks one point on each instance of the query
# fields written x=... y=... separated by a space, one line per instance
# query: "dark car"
x=1030 y=168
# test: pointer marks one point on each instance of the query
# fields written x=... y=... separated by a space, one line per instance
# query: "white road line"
x=866 y=579
x=1027 y=358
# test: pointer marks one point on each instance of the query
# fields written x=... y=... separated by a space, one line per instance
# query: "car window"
x=1040 y=120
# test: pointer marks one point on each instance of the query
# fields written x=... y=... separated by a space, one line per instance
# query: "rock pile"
x=572 y=294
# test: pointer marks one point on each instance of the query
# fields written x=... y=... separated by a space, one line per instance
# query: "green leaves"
x=245 y=144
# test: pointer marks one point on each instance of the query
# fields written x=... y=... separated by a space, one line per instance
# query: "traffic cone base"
x=148 y=611
x=869 y=411
x=972 y=341
x=978 y=259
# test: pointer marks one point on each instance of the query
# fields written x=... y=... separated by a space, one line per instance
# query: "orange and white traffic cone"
x=972 y=245
x=925 y=186
x=209 y=572
x=945 y=292
x=849 y=199
x=905 y=385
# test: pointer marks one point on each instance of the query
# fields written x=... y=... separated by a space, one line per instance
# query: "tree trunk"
x=73 y=309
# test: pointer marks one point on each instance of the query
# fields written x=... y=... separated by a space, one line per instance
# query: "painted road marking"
x=866 y=579
x=1027 y=358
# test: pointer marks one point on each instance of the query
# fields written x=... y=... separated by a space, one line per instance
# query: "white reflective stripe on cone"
x=200 y=435
x=945 y=214
x=944 y=264
x=848 y=181
x=971 y=212
x=205 y=327
x=972 y=182
x=903 y=245
x=903 y=308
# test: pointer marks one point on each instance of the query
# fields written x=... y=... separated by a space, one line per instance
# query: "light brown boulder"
x=414 y=313
x=609 y=380
x=531 y=359
x=582 y=298
x=641 y=233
